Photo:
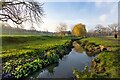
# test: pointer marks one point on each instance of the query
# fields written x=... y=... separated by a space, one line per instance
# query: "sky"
x=71 y=13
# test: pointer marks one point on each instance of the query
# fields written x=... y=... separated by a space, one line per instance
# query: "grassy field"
x=30 y=42
x=23 y=54
x=20 y=52
x=109 y=60
x=18 y=45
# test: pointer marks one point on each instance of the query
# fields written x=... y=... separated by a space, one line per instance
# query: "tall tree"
x=19 y=11
x=79 y=30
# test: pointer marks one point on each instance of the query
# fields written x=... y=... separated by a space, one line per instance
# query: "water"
x=65 y=66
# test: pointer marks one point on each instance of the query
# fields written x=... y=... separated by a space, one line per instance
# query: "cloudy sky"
x=71 y=13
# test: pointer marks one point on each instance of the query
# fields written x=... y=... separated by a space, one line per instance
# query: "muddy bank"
x=92 y=48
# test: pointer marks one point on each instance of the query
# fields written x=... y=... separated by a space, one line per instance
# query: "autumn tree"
x=19 y=11
x=61 y=29
x=79 y=30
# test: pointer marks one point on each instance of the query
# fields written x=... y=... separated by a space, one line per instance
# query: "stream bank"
x=35 y=60
x=77 y=58
x=97 y=68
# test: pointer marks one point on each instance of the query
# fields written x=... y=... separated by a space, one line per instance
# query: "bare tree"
x=61 y=28
x=99 y=29
x=19 y=11
x=107 y=31
x=113 y=27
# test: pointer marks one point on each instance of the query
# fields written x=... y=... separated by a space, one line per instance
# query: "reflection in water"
x=77 y=47
x=50 y=69
x=64 y=68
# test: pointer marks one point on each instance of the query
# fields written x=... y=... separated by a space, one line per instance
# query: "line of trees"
x=7 y=29
x=100 y=30
x=78 y=30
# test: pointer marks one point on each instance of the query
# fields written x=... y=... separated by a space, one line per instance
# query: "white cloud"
x=103 y=17
x=49 y=24
x=76 y=21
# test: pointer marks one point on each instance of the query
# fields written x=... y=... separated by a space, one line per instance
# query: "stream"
x=75 y=59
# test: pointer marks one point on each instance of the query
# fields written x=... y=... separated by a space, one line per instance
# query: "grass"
x=103 y=41
x=30 y=42
x=18 y=45
x=22 y=55
x=106 y=41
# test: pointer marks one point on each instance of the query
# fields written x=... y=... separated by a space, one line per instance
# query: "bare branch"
x=21 y=11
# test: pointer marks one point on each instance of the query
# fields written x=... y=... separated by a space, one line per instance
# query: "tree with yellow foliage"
x=79 y=30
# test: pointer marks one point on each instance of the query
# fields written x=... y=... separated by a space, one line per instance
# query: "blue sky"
x=71 y=13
